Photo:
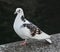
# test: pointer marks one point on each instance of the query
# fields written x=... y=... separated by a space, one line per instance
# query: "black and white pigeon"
x=27 y=30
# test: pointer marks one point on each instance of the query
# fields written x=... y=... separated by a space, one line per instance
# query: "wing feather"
x=33 y=29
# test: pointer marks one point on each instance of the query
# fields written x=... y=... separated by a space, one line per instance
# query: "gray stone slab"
x=33 y=46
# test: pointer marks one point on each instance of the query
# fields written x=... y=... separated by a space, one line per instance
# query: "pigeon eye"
x=18 y=10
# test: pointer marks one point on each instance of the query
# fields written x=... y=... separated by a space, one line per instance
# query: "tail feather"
x=48 y=40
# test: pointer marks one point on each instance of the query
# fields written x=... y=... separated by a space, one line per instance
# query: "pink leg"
x=23 y=43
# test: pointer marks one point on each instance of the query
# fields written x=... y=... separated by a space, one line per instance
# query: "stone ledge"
x=33 y=46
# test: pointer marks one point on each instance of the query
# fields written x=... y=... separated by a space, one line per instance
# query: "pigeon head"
x=18 y=10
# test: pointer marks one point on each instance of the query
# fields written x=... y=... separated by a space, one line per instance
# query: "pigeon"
x=26 y=29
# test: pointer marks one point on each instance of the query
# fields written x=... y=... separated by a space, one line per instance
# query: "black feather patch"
x=34 y=29
x=23 y=18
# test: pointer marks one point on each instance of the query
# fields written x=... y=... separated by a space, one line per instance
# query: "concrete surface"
x=33 y=46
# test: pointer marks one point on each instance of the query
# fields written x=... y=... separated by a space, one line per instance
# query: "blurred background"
x=43 y=13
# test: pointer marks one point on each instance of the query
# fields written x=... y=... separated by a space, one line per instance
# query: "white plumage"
x=26 y=29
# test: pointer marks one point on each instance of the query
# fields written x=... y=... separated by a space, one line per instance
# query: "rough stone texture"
x=33 y=46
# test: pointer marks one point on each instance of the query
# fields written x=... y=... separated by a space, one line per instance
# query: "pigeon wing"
x=33 y=29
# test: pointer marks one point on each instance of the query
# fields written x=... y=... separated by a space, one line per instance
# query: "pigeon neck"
x=18 y=17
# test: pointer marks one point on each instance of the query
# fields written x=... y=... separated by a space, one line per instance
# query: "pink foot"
x=23 y=43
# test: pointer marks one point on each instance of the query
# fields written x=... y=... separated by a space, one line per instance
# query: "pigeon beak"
x=14 y=12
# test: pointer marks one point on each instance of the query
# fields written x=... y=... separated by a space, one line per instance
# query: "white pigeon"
x=26 y=29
